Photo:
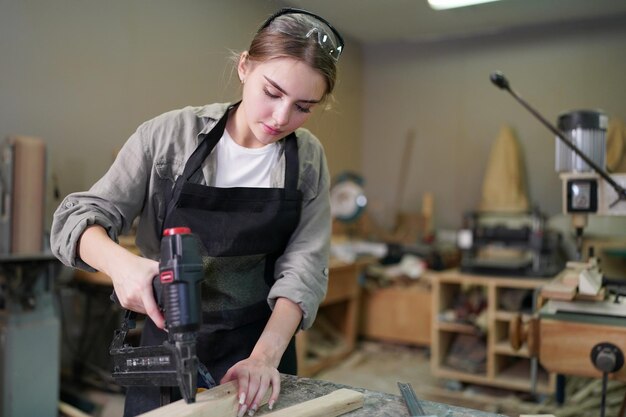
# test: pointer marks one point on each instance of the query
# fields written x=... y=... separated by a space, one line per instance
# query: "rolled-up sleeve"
x=113 y=202
x=302 y=271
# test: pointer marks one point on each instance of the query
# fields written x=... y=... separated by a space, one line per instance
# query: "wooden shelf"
x=504 y=347
x=454 y=327
x=507 y=315
x=515 y=374
x=505 y=367
x=544 y=386
x=451 y=373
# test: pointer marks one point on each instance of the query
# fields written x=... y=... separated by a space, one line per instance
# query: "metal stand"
x=607 y=358
x=29 y=337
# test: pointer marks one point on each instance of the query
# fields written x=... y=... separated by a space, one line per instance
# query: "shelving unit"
x=339 y=310
x=505 y=367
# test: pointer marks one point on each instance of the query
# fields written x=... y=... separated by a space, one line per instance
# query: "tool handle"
x=156 y=286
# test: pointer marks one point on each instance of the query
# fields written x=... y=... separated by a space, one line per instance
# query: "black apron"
x=231 y=223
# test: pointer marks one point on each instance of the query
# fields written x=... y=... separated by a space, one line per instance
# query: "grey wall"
x=443 y=91
x=83 y=74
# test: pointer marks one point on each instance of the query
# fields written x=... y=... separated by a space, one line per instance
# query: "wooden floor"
x=379 y=367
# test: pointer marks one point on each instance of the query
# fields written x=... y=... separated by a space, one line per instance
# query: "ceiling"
x=383 y=21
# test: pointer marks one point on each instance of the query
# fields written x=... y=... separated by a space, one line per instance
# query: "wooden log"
x=558 y=291
x=334 y=404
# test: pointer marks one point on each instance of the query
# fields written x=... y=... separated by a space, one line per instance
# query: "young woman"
x=251 y=184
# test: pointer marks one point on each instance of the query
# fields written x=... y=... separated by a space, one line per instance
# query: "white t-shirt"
x=238 y=166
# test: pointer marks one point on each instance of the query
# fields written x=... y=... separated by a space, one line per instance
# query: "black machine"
x=174 y=363
x=510 y=245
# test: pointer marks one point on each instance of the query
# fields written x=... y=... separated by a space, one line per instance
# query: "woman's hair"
x=288 y=36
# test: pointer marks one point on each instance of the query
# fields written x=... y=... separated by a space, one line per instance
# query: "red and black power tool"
x=177 y=288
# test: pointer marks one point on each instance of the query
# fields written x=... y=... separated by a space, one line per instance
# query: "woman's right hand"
x=131 y=275
x=132 y=279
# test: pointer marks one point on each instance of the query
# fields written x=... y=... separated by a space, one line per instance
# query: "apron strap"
x=292 y=167
x=193 y=164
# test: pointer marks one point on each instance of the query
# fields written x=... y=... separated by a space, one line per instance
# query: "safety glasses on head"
x=330 y=42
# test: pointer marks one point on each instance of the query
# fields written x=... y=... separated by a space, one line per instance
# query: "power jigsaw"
x=173 y=363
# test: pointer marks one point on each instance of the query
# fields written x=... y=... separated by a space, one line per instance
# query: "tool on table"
x=174 y=363
x=412 y=403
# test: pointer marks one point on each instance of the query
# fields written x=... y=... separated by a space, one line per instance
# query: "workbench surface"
x=296 y=390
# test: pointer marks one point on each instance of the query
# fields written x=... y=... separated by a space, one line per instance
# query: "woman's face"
x=278 y=97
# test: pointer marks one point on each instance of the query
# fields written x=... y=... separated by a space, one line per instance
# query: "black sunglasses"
x=332 y=45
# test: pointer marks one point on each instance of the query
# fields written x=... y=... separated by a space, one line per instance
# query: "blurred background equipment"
x=580 y=321
x=511 y=244
x=22 y=187
x=505 y=236
x=29 y=324
x=587 y=187
x=347 y=197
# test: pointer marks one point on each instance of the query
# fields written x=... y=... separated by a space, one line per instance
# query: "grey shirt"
x=143 y=174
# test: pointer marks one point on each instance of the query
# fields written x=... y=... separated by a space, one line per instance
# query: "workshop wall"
x=83 y=75
x=442 y=90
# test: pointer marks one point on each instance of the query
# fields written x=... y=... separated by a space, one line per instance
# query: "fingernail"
x=242 y=398
x=271 y=404
x=251 y=412
x=242 y=410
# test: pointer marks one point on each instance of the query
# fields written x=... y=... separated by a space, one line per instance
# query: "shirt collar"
x=214 y=111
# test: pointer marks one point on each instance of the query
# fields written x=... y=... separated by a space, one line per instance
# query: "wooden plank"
x=334 y=404
x=558 y=291
x=68 y=410
x=220 y=401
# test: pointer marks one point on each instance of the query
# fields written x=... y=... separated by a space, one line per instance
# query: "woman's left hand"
x=258 y=373
x=254 y=376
